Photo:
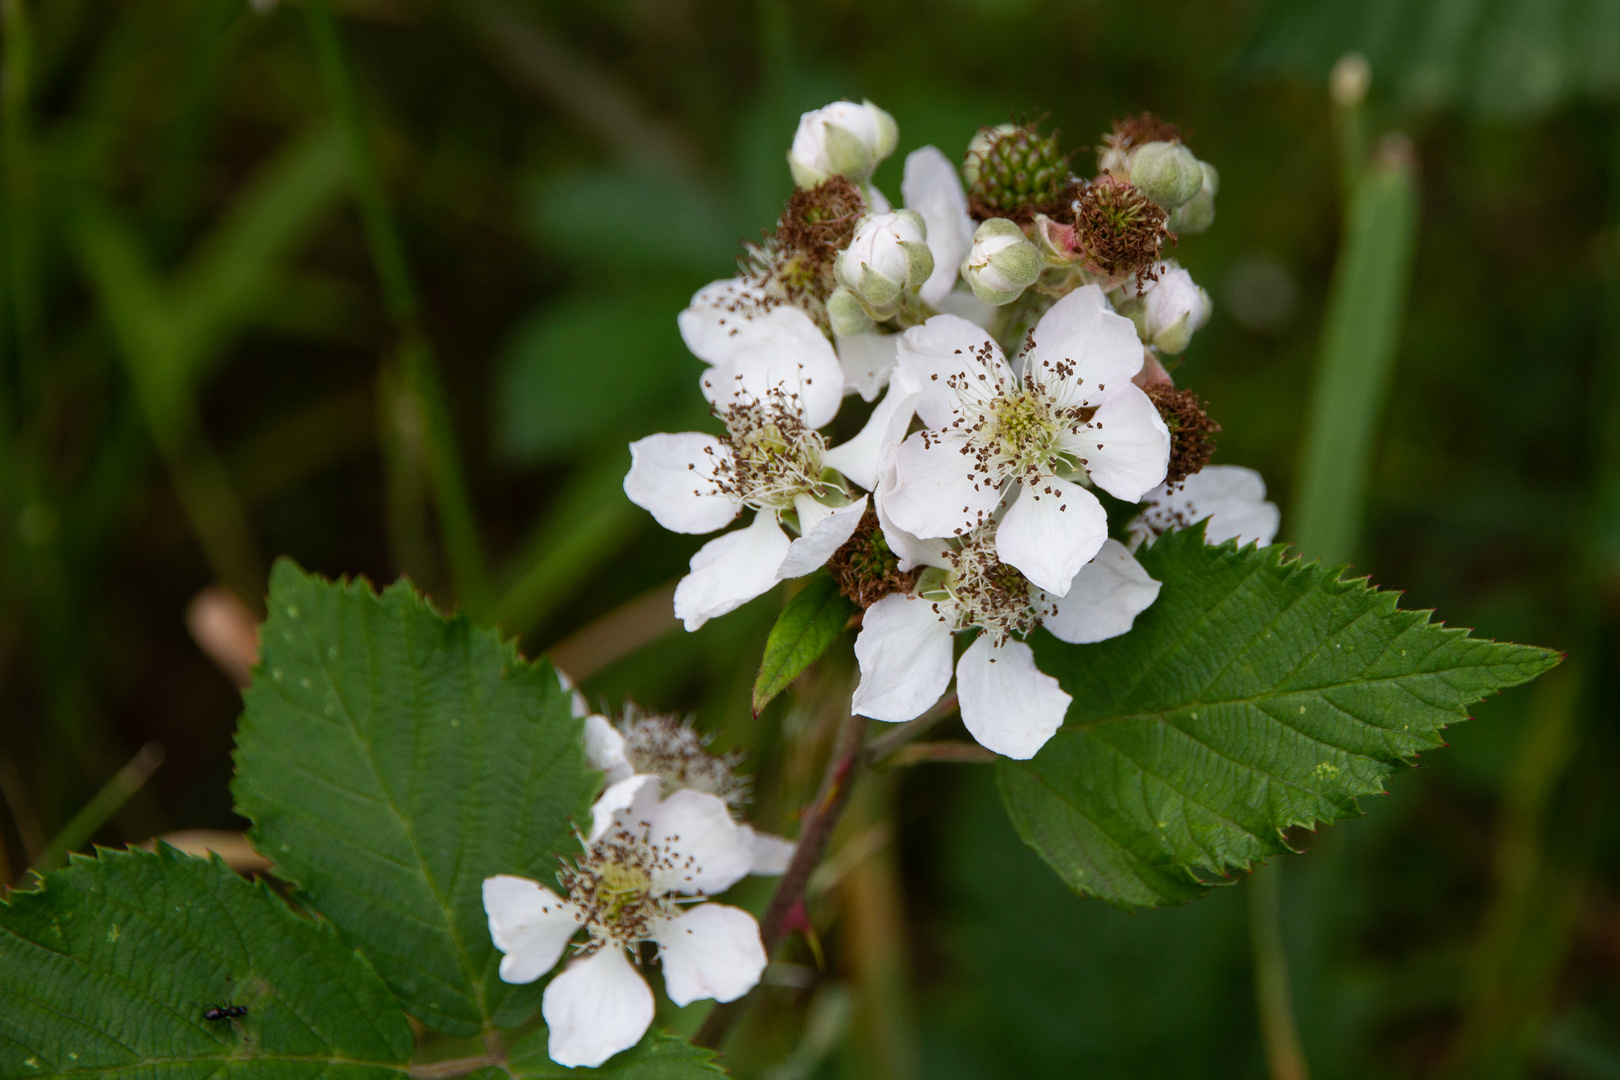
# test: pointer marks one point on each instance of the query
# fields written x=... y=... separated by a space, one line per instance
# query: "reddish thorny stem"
x=819 y=819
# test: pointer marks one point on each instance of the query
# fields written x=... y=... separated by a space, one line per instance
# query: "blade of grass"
x=1365 y=306
x=95 y=813
x=419 y=369
x=241 y=257
x=142 y=324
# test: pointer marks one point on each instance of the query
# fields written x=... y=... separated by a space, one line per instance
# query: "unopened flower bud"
x=1166 y=172
x=888 y=255
x=841 y=139
x=847 y=314
x=1002 y=264
x=1198 y=213
x=1168 y=310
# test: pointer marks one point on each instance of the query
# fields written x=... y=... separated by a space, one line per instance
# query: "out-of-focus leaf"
x=810 y=622
x=222 y=282
x=1050 y=984
x=108 y=968
x=1510 y=57
x=659 y=1056
x=579 y=369
x=1258 y=693
x=390 y=760
x=637 y=220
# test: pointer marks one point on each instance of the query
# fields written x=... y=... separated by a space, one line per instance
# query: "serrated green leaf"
x=1258 y=693
x=109 y=966
x=391 y=759
x=810 y=622
x=659 y=1056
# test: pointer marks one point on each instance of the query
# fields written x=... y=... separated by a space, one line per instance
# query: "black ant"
x=225 y=1012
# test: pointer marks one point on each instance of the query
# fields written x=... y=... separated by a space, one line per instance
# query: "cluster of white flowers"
x=663 y=838
x=1014 y=325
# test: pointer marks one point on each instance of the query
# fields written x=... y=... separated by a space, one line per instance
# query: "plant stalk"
x=1284 y=1058
x=836 y=784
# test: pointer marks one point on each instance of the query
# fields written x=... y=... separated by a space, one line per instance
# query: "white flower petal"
x=1052 y=529
x=1008 y=704
x=710 y=951
x=1232 y=497
x=1126 y=447
x=1107 y=595
x=932 y=188
x=597 y=1007
x=782 y=350
x=529 y=923
x=672 y=478
x=936 y=492
x=627 y=803
x=731 y=570
x=867 y=456
x=946 y=350
x=867 y=360
x=831 y=529
x=770 y=854
x=577 y=703
x=904 y=650
x=604 y=749
x=710 y=324
x=707 y=851
x=912 y=551
x=1083 y=349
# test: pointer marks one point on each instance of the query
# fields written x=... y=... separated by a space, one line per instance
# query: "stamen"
x=774 y=455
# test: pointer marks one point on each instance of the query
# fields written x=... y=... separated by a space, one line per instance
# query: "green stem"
x=1273 y=995
x=420 y=378
x=83 y=825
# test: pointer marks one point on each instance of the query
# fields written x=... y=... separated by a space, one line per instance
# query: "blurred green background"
x=227 y=336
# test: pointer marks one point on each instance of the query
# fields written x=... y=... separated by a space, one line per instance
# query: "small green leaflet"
x=109 y=966
x=1259 y=692
x=391 y=759
x=659 y=1056
x=810 y=622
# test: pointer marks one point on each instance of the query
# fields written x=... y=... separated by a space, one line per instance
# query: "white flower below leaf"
x=634 y=883
x=1230 y=498
x=1007 y=703
x=1017 y=447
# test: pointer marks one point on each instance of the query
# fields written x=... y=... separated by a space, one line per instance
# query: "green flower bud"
x=1167 y=173
x=888 y=255
x=1002 y=264
x=1198 y=213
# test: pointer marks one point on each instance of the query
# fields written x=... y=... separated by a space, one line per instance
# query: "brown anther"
x=1192 y=430
x=865 y=569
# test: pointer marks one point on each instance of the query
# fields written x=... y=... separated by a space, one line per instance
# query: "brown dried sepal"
x=1119 y=231
x=1145 y=127
x=1192 y=429
x=865 y=569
